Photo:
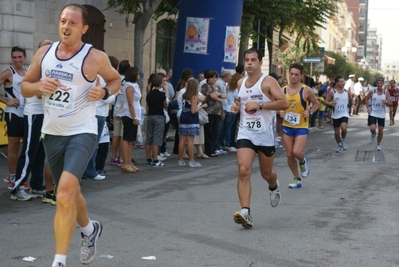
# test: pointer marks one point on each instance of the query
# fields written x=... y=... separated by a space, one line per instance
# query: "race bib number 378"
x=255 y=124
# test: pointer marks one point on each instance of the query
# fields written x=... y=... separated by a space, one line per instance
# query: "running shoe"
x=181 y=163
x=165 y=154
x=37 y=193
x=10 y=186
x=344 y=145
x=339 y=148
x=378 y=147
x=8 y=179
x=371 y=140
x=275 y=196
x=21 y=195
x=194 y=164
x=295 y=184
x=88 y=250
x=58 y=264
x=149 y=162
x=161 y=158
x=49 y=197
x=304 y=168
x=244 y=218
x=158 y=164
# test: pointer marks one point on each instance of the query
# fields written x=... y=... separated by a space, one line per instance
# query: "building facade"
x=26 y=23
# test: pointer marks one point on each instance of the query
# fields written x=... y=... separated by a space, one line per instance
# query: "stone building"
x=26 y=23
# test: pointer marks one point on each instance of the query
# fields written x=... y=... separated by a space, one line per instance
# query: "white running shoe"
x=194 y=164
x=275 y=196
x=244 y=218
x=88 y=250
x=304 y=168
x=344 y=145
x=371 y=140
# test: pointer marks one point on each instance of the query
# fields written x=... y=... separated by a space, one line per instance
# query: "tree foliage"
x=143 y=10
x=298 y=18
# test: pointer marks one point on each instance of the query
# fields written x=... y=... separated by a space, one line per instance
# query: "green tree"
x=143 y=10
x=298 y=18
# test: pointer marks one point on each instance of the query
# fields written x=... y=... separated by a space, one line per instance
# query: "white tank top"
x=378 y=104
x=341 y=109
x=258 y=126
x=68 y=111
x=14 y=91
x=136 y=101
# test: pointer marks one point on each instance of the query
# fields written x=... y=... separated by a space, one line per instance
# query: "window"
x=165 y=44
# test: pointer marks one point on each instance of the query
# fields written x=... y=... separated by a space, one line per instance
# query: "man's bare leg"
x=71 y=208
x=13 y=152
x=245 y=157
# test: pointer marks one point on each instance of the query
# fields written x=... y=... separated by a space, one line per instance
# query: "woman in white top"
x=131 y=115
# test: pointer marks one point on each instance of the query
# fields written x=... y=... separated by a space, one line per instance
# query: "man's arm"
x=31 y=84
x=107 y=72
x=312 y=98
x=388 y=101
x=272 y=89
x=5 y=76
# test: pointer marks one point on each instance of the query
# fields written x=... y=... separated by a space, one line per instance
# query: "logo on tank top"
x=61 y=75
x=73 y=66
x=58 y=66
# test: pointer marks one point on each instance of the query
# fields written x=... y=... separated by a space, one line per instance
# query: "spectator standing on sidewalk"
x=32 y=158
x=14 y=112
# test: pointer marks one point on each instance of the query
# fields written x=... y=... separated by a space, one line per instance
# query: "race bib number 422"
x=62 y=98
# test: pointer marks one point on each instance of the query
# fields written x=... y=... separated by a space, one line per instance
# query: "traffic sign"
x=311 y=60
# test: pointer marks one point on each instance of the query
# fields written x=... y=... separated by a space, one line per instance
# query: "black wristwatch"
x=107 y=93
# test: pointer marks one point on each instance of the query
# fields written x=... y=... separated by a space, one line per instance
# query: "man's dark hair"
x=85 y=14
x=254 y=50
x=379 y=79
x=337 y=78
x=297 y=66
x=19 y=49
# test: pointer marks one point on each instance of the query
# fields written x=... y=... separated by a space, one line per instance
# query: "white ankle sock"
x=88 y=229
x=60 y=258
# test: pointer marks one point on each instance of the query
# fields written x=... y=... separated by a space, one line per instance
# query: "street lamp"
x=348 y=48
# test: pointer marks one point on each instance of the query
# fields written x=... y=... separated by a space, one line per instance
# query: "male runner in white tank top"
x=14 y=116
x=66 y=74
x=259 y=97
x=376 y=109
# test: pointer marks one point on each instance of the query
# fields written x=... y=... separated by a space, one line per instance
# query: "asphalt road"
x=346 y=213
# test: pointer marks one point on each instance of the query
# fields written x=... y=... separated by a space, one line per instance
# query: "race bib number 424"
x=62 y=98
